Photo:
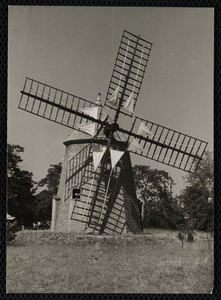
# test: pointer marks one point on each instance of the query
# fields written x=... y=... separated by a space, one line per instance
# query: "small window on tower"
x=76 y=193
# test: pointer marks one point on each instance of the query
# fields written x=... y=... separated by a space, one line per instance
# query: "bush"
x=180 y=236
x=190 y=237
x=11 y=229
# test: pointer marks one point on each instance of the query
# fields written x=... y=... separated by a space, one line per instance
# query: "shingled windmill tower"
x=96 y=193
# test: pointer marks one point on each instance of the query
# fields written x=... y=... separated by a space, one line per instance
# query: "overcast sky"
x=74 y=49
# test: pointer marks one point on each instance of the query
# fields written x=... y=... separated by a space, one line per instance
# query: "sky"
x=74 y=49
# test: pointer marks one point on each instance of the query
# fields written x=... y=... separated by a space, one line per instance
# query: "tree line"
x=24 y=202
x=192 y=209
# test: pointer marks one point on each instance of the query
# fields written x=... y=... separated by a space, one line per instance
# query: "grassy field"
x=143 y=264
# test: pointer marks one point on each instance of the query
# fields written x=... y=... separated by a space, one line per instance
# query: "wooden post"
x=54 y=212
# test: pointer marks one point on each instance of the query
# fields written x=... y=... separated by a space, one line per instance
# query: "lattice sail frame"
x=87 y=211
x=129 y=69
x=167 y=146
x=115 y=205
x=53 y=104
x=80 y=170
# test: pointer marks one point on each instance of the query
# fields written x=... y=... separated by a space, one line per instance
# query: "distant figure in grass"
x=189 y=238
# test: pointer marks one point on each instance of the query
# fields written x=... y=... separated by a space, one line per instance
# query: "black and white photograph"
x=110 y=174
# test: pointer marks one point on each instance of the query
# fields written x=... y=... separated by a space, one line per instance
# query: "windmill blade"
x=129 y=70
x=167 y=146
x=55 y=105
x=79 y=170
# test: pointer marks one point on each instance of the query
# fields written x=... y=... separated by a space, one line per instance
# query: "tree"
x=197 y=196
x=154 y=189
x=21 y=188
x=204 y=175
x=44 y=198
x=52 y=178
x=43 y=206
x=14 y=158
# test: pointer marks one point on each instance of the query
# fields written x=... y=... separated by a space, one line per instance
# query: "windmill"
x=96 y=193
